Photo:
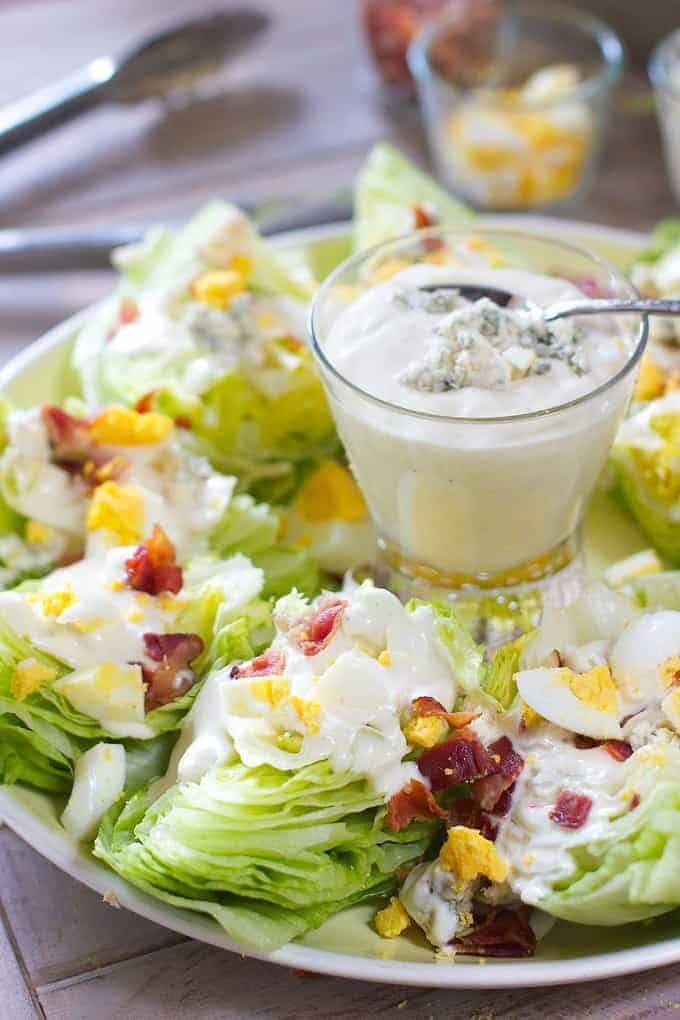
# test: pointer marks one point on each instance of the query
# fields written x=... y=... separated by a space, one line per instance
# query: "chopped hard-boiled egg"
x=651 y=380
x=392 y=920
x=425 y=731
x=121 y=426
x=99 y=781
x=111 y=693
x=218 y=287
x=29 y=675
x=638 y=657
x=118 y=510
x=521 y=147
x=468 y=855
x=584 y=703
x=331 y=518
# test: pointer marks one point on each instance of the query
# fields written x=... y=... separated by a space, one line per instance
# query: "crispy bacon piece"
x=171 y=677
x=425 y=706
x=145 y=403
x=491 y=790
x=585 y=743
x=183 y=421
x=69 y=437
x=620 y=750
x=414 y=801
x=128 y=311
x=466 y=811
x=571 y=810
x=422 y=217
x=503 y=932
x=460 y=759
x=270 y=663
x=152 y=567
x=315 y=634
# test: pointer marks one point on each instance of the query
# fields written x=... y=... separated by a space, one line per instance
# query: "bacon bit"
x=620 y=750
x=634 y=801
x=503 y=932
x=585 y=743
x=68 y=437
x=183 y=421
x=466 y=811
x=489 y=790
x=171 y=678
x=128 y=311
x=145 y=403
x=414 y=801
x=571 y=810
x=424 y=707
x=423 y=218
x=460 y=759
x=270 y=663
x=152 y=567
x=291 y=343
x=315 y=634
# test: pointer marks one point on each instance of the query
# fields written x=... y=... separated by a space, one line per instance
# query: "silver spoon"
x=165 y=62
x=561 y=309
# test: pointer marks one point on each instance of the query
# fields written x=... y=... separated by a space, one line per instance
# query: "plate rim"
x=74 y=861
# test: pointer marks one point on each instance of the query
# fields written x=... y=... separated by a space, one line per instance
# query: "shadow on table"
x=235 y=117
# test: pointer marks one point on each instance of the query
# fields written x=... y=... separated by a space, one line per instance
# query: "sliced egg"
x=584 y=703
x=638 y=656
x=112 y=694
x=99 y=781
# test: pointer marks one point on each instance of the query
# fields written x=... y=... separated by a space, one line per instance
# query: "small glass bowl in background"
x=500 y=148
x=664 y=72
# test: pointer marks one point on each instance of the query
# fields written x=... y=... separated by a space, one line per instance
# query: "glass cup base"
x=558 y=574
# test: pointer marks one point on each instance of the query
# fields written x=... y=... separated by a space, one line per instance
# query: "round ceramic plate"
x=347 y=945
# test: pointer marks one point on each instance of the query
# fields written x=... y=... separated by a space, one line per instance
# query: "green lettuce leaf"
x=268 y=854
x=665 y=237
x=498 y=679
x=657 y=591
x=645 y=460
x=465 y=655
x=632 y=874
x=387 y=188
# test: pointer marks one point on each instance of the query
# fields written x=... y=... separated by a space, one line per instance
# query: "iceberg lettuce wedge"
x=268 y=854
x=388 y=188
x=646 y=463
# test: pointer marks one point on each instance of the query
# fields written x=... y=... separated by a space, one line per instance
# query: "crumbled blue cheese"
x=478 y=343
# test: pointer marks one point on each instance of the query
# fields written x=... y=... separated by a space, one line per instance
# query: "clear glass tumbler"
x=521 y=126
x=664 y=72
x=475 y=502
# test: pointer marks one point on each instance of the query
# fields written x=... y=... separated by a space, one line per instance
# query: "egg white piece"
x=99 y=781
x=639 y=653
x=547 y=691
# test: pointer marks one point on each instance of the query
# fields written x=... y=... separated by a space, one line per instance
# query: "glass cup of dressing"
x=477 y=433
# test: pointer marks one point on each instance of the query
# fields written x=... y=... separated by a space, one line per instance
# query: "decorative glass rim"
x=460 y=232
x=667 y=51
x=612 y=50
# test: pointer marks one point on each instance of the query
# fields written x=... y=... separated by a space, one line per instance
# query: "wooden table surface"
x=292 y=117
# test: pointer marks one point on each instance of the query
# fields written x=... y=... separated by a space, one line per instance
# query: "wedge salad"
x=228 y=717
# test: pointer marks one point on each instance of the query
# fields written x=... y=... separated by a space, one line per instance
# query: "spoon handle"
x=29 y=117
x=598 y=306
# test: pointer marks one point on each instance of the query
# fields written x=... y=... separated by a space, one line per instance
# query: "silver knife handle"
x=47 y=108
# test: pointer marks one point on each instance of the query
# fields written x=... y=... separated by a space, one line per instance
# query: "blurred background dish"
x=517 y=123
x=664 y=71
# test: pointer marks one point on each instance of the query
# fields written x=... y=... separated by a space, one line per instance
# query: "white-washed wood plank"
x=60 y=927
x=211 y=984
x=14 y=992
